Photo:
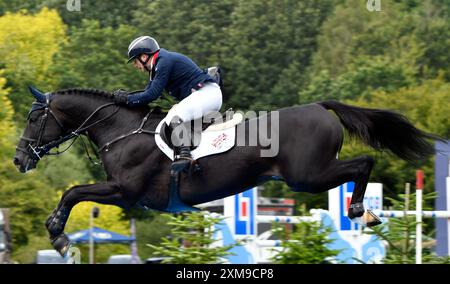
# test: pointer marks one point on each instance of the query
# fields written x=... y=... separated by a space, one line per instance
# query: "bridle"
x=34 y=148
x=37 y=151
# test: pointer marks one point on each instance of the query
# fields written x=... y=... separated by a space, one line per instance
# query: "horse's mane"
x=101 y=93
x=78 y=91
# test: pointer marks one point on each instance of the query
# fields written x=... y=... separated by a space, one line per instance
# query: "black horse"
x=310 y=138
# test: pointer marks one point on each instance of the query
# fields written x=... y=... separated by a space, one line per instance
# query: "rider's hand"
x=120 y=97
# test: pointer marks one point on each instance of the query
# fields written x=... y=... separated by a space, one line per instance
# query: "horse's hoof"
x=61 y=244
x=372 y=219
x=368 y=219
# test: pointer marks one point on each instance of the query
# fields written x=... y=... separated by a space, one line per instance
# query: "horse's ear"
x=38 y=95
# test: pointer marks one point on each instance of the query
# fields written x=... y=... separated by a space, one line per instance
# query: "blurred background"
x=274 y=53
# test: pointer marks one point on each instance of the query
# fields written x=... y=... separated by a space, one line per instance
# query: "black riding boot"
x=184 y=159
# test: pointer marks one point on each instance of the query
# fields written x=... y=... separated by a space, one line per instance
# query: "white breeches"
x=199 y=103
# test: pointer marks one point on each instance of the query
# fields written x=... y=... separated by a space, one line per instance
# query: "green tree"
x=111 y=218
x=27 y=196
x=352 y=31
x=193 y=27
x=17 y=5
x=7 y=128
x=399 y=233
x=423 y=106
x=150 y=228
x=27 y=51
x=407 y=42
x=84 y=63
x=112 y=13
x=307 y=244
x=270 y=45
x=29 y=200
x=263 y=47
x=108 y=13
x=385 y=60
x=381 y=52
x=196 y=28
x=195 y=231
x=65 y=169
x=366 y=75
x=434 y=31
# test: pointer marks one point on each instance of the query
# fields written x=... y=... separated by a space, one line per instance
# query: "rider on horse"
x=197 y=91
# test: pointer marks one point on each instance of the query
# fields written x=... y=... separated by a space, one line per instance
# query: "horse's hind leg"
x=342 y=171
x=356 y=209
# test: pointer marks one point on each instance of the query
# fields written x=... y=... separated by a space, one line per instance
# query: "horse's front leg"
x=53 y=218
x=104 y=193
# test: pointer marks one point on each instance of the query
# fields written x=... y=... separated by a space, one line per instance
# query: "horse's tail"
x=383 y=129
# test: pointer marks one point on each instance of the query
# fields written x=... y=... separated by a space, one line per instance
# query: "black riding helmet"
x=141 y=45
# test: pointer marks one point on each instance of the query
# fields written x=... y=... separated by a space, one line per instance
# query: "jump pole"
x=447 y=191
x=419 y=187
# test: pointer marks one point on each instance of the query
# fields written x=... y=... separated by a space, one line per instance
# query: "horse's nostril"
x=16 y=161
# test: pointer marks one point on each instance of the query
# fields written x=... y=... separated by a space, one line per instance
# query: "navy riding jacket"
x=176 y=73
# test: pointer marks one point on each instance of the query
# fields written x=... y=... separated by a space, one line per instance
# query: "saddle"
x=214 y=137
x=209 y=138
x=195 y=128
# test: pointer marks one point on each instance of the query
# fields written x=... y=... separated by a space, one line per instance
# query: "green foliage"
x=263 y=47
x=7 y=129
x=365 y=75
x=352 y=31
x=150 y=230
x=17 y=5
x=26 y=53
x=110 y=218
x=378 y=53
x=384 y=51
x=399 y=233
x=307 y=244
x=197 y=28
x=428 y=113
x=193 y=27
x=112 y=13
x=282 y=190
x=434 y=32
x=64 y=170
x=195 y=230
x=28 y=196
x=95 y=57
x=108 y=13
x=27 y=254
x=274 y=53
x=271 y=44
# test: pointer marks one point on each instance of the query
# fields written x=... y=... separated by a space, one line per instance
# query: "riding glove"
x=120 y=97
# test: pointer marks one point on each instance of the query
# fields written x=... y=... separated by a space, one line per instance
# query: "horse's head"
x=43 y=127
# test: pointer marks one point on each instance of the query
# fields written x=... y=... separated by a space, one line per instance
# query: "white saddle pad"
x=214 y=140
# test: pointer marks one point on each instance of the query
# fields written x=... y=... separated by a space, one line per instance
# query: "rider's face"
x=138 y=65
